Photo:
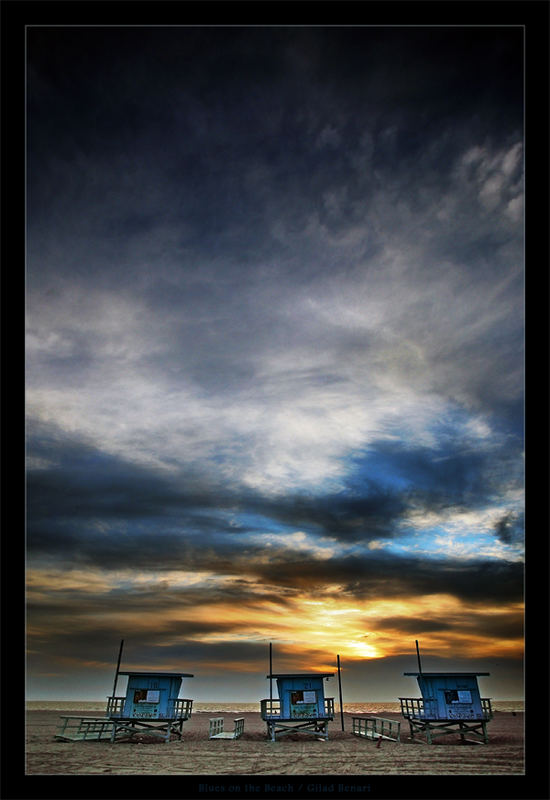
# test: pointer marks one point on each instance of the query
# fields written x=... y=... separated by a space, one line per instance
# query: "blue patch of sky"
x=380 y=467
x=438 y=543
x=459 y=448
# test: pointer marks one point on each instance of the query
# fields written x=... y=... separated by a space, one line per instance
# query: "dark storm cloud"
x=128 y=520
x=200 y=178
x=84 y=482
x=379 y=575
x=70 y=635
x=414 y=625
x=201 y=104
x=499 y=626
x=102 y=510
x=365 y=577
x=250 y=654
x=345 y=518
x=158 y=596
x=508 y=625
x=201 y=658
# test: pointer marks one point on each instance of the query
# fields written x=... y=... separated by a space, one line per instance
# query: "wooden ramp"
x=377 y=728
x=80 y=729
x=216 y=730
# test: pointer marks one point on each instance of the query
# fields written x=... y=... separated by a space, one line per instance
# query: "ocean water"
x=241 y=708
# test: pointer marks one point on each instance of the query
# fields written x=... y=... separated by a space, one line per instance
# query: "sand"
x=254 y=755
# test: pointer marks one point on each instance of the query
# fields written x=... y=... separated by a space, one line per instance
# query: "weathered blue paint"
x=450 y=695
x=152 y=695
x=302 y=696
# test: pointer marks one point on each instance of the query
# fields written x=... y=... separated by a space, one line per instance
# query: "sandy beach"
x=253 y=754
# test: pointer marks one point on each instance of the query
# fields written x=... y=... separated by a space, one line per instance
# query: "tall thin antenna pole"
x=340 y=691
x=418 y=656
x=270 y=675
x=118 y=666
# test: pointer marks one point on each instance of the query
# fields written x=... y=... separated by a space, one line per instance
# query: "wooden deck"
x=271 y=709
x=115 y=726
x=278 y=725
x=415 y=708
x=179 y=709
x=124 y=728
x=423 y=725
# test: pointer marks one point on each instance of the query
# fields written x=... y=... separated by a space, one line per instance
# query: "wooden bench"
x=216 y=730
x=377 y=728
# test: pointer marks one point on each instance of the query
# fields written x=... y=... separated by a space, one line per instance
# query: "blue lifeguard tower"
x=450 y=703
x=301 y=706
x=151 y=705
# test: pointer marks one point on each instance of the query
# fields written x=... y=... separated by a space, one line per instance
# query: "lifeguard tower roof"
x=301 y=675
x=442 y=674
x=160 y=674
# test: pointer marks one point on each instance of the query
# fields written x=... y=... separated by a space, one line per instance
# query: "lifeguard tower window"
x=458 y=696
x=303 y=697
x=146 y=696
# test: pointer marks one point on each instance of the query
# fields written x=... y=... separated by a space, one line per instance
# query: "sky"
x=274 y=356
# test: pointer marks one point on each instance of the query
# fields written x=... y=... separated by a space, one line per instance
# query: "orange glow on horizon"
x=307 y=631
